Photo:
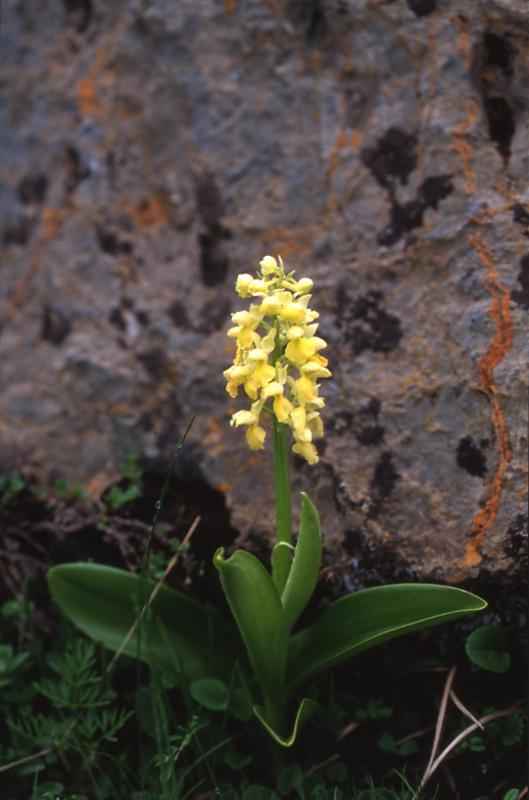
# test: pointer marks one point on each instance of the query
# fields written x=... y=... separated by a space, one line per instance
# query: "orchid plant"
x=278 y=365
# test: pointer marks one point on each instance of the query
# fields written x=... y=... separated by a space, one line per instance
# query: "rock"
x=153 y=150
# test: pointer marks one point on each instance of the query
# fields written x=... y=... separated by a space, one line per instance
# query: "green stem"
x=282 y=555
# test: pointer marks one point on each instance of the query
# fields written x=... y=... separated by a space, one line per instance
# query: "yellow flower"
x=255 y=436
x=307 y=450
x=277 y=359
x=269 y=266
x=304 y=389
x=242 y=285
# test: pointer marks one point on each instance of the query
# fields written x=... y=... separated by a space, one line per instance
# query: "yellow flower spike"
x=276 y=338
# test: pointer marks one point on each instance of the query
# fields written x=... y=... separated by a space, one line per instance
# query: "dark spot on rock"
x=517 y=538
x=146 y=422
x=111 y=243
x=341 y=422
x=520 y=214
x=500 y=118
x=495 y=68
x=214 y=263
x=19 y=231
x=385 y=476
x=76 y=171
x=155 y=362
x=142 y=317
x=78 y=13
x=434 y=189
x=32 y=189
x=372 y=566
x=309 y=17
x=368 y=325
x=394 y=157
x=470 y=457
x=117 y=319
x=498 y=53
x=127 y=302
x=484 y=442
x=370 y=435
x=373 y=407
x=521 y=297
x=367 y=431
x=403 y=218
x=421 y=8
x=213 y=315
x=177 y=314
x=408 y=216
x=55 y=325
x=209 y=201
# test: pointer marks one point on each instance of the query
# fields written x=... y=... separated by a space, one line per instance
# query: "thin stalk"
x=282 y=555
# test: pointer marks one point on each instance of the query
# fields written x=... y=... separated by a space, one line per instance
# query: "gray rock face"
x=152 y=150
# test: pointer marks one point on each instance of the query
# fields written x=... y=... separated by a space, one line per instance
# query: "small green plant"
x=80 y=717
x=11 y=486
x=488 y=648
x=132 y=477
x=68 y=491
x=278 y=364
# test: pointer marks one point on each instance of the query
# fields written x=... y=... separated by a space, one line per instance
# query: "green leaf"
x=256 y=607
x=305 y=567
x=511 y=794
x=177 y=634
x=369 y=617
x=508 y=730
x=487 y=647
x=306 y=709
x=210 y=693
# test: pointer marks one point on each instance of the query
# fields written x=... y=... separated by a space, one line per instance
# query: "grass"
x=82 y=724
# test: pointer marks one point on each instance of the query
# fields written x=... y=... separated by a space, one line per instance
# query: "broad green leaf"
x=256 y=607
x=488 y=648
x=210 y=693
x=369 y=617
x=177 y=634
x=305 y=567
x=306 y=709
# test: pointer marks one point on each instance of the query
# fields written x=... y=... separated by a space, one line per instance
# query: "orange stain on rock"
x=229 y=5
x=464 y=148
x=88 y=100
x=150 y=212
x=499 y=312
x=343 y=141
